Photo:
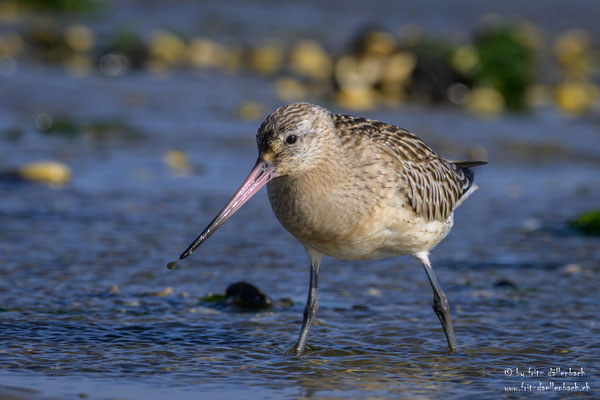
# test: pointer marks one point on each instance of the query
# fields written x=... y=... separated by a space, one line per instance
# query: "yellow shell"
x=267 y=60
x=178 y=161
x=576 y=97
x=309 y=59
x=485 y=102
x=46 y=171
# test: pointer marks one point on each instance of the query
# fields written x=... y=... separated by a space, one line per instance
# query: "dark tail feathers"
x=468 y=164
x=469 y=175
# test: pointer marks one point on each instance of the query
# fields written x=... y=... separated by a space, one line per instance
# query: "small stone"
x=166 y=48
x=505 y=283
x=165 y=292
x=483 y=294
x=129 y=303
x=357 y=98
x=309 y=59
x=576 y=97
x=205 y=53
x=267 y=59
x=531 y=225
x=79 y=37
x=204 y=310
x=290 y=89
x=286 y=302
x=572 y=269
x=250 y=111
x=178 y=161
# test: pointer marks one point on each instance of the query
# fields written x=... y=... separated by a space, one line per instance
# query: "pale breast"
x=362 y=215
x=390 y=232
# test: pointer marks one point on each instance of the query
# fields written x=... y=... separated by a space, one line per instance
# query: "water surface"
x=84 y=301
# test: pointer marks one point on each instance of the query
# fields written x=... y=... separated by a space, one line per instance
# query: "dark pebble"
x=505 y=283
x=248 y=296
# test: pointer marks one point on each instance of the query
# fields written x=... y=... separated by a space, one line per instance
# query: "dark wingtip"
x=468 y=164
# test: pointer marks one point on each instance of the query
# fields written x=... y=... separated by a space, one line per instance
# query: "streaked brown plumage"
x=353 y=188
x=433 y=185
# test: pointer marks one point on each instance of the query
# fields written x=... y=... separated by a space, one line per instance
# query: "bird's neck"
x=302 y=200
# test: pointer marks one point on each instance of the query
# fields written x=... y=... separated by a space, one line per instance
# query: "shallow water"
x=83 y=305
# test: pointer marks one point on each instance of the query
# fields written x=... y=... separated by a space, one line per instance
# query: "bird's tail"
x=468 y=177
x=465 y=167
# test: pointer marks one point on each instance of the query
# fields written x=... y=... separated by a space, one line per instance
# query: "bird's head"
x=291 y=139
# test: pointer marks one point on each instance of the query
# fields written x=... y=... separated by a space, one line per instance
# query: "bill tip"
x=172 y=264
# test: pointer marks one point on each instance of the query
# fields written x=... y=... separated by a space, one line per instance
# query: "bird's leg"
x=312 y=304
x=440 y=303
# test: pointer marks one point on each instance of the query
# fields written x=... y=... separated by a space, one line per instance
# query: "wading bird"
x=355 y=189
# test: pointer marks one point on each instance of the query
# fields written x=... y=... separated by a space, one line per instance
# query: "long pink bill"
x=259 y=176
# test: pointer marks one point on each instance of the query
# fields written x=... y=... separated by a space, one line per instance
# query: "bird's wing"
x=433 y=186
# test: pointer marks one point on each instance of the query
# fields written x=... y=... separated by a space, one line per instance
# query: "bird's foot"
x=296 y=351
x=451 y=350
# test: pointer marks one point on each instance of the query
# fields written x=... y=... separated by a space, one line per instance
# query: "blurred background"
x=126 y=125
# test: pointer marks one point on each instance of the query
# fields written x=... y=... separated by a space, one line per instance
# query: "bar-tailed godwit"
x=355 y=189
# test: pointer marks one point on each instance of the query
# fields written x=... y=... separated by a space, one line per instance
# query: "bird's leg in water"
x=312 y=304
x=440 y=303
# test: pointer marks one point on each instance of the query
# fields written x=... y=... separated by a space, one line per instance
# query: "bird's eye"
x=291 y=139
